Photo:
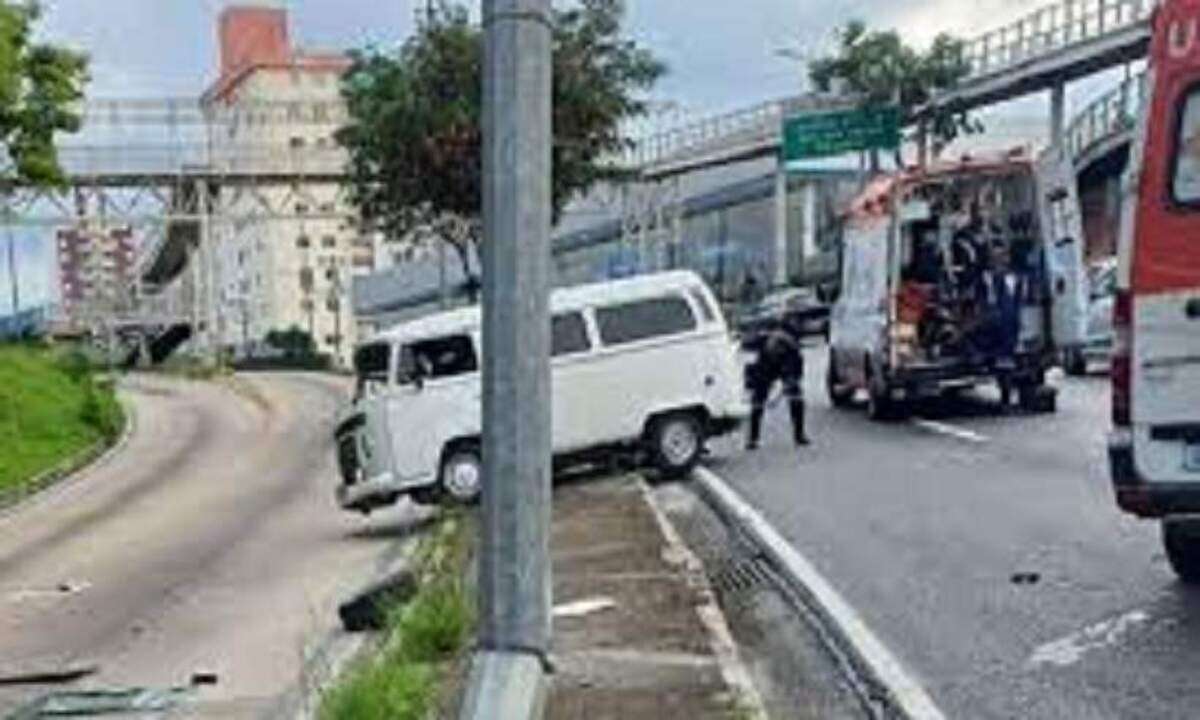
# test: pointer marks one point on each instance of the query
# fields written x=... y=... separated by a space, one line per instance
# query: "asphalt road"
x=210 y=543
x=922 y=527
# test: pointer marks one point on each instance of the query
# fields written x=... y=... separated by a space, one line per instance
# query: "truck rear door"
x=1164 y=273
x=1062 y=235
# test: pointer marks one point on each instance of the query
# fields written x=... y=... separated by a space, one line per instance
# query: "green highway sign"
x=839 y=132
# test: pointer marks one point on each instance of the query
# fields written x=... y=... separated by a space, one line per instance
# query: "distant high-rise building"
x=294 y=266
x=95 y=272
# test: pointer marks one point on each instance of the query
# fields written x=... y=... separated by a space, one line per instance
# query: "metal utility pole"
x=507 y=679
x=12 y=272
x=13 y=282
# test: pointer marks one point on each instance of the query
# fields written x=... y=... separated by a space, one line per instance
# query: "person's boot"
x=756 y=418
x=797 y=408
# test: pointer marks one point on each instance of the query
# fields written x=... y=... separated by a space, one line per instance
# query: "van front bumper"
x=370 y=493
x=1136 y=495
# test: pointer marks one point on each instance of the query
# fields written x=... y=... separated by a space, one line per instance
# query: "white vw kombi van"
x=645 y=364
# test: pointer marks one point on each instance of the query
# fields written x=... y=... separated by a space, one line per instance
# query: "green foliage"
x=294 y=342
x=404 y=681
x=882 y=69
x=52 y=407
x=39 y=84
x=415 y=135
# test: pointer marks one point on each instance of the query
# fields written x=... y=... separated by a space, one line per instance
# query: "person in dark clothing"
x=1001 y=291
x=780 y=359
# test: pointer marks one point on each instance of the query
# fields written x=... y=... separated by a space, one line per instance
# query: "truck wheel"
x=462 y=475
x=1074 y=363
x=1038 y=399
x=880 y=405
x=675 y=443
x=1181 y=540
x=841 y=396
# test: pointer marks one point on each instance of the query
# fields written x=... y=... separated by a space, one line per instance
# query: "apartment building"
x=285 y=253
x=95 y=272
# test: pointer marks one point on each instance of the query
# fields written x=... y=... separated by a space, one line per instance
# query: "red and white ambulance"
x=1154 y=448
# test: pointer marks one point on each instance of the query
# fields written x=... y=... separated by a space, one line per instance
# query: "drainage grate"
x=739 y=575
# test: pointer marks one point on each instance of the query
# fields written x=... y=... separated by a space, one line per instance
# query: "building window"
x=301 y=209
x=328 y=208
x=296 y=143
x=306 y=279
x=1186 y=183
x=329 y=241
x=331 y=274
x=320 y=113
x=333 y=305
x=303 y=242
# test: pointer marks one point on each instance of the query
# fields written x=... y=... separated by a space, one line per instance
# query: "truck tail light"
x=1122 y=360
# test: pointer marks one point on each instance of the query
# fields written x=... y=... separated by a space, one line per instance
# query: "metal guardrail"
x=1064 y=24
x=1110 y=115
x=764 y=119
x=88 y=160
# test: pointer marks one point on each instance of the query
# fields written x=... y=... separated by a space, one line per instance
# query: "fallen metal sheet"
x=52 y=676
x=102 y=702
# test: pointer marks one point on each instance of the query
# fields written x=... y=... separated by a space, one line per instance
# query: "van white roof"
x=573 y=298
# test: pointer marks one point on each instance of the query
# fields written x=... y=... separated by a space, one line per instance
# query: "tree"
x=881 y=69
x=415 y=138
x=39 y=85
x=294 y=342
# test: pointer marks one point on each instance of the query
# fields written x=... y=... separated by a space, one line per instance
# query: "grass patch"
x=425 y=637
x=53 y=406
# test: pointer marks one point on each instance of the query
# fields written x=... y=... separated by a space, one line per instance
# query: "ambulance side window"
x=1185 y=186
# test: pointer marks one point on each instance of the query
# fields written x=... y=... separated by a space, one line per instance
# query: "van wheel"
x=1181 y=540
x=841 y=396
x=462 y=475
x=675 y=443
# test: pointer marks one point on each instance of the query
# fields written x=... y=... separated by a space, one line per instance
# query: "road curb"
x=903 y=693
x=724 y=647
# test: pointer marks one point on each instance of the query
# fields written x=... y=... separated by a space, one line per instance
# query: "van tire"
x=841 y=396
x=461 y=477
x=675 y=443
x=1181 y=541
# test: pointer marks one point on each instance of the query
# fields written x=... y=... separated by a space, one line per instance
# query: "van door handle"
x=1192 y=309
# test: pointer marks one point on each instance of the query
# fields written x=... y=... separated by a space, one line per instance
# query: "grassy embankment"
x=411 y=675
x=53 y=408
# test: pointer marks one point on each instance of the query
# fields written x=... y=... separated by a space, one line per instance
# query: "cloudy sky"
x=723 y=54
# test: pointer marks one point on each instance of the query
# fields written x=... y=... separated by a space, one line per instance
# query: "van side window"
x=706 y=309
x=644 y=319
x=436 y=359
x=1185 y=186
x=568 y=335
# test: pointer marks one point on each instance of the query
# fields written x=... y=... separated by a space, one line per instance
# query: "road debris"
x=583 y=608
x=102 y=702
x=56 y=676
x=368 y=609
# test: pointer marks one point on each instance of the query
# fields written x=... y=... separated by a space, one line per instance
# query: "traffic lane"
x=232 y=564
x=924 y=532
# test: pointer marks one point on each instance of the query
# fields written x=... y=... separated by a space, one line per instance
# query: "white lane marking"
x=951 y=431
x=910 y=695
x=582 y=608
x=1071 y=649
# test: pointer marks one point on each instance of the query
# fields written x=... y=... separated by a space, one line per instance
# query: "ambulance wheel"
x=1181 y=540
x=840 y=395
